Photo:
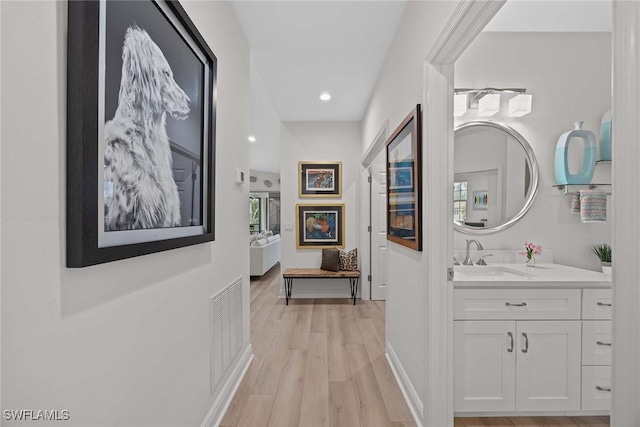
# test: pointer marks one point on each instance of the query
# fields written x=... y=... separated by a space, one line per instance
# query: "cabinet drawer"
x=596 y=304
x=596 y=388
x=596 y=342
x=516 y=304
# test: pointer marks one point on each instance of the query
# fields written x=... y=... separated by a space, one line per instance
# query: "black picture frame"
x=320 y=226
x=404 y=182
x=320 y=179
x=86 y=217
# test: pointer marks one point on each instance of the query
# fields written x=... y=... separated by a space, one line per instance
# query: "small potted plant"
x=603 y=252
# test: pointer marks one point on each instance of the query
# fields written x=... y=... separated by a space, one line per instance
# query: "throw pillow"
x=349 y=260
x=330 y=260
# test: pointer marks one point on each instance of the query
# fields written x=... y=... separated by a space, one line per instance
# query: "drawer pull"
x=603 y=304
x=510 y=350
x=603 y=388
x=608 y=344
x=526 y=343
x=509 y=304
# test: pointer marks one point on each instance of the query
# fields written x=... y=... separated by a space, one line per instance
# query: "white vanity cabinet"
x=531 y=341
x=520 y=350
x=596 y=349
x=485 y=366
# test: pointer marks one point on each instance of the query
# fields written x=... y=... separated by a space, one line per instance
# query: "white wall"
x=398 y=89
x=264 y=125
x=318 y=141
x=569 y=75
x=261 y=176
x=123 y=343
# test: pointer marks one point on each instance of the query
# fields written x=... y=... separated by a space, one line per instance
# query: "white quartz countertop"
x=521 y=276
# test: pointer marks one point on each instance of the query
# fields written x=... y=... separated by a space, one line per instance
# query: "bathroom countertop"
x=521 y=276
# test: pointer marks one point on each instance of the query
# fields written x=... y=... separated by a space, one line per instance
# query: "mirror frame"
x=531 y=158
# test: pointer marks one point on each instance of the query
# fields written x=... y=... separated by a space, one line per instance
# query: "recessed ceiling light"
x=252 y=138
x=325 y=96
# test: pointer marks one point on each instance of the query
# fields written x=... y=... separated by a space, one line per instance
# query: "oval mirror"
x=495 y=177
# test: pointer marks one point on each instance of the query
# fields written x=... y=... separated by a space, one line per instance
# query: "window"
x=460 y=201
x=254 y=214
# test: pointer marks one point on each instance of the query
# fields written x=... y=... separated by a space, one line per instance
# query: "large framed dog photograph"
x=141 y=131
x=404 y=182
x=320 y=226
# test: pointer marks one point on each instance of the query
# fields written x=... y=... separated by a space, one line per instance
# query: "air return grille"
x=225 y=327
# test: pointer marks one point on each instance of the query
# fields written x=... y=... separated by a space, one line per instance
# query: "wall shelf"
x=571 y=189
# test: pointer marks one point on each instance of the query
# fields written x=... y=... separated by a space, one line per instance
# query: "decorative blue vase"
x=605 y=136
x=563 y=176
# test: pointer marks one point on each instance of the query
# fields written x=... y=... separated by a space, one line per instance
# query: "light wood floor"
x=321 y=362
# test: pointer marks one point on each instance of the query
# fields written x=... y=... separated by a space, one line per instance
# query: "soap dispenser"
x=563 y=176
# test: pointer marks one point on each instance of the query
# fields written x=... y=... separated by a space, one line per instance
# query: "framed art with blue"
x=404 y=182
x=320 y=226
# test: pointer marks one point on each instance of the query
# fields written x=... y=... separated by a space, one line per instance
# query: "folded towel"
x=575 y=204
x=593 y=206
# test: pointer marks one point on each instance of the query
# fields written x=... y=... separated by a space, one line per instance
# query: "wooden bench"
x=316 y=273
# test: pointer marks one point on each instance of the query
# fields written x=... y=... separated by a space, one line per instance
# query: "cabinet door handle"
x=608 y=344
x=509 y=304
x=603 y=388
x=526 y=343
x=603 y=304
x=510 y=350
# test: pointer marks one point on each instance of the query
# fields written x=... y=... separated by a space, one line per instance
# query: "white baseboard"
x=222 y=402
x=406 y=387
x=534 y=414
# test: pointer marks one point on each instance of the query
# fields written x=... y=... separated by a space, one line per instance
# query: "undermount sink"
x=490 y=271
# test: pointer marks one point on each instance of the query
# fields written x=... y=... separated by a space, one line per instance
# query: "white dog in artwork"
x=140 y=191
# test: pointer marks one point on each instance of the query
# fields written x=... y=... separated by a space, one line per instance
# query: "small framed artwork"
x=320 y=226
x=480 y=200
x=401 y=178
x=404 y=185
x=141 y=116
x=320 y=179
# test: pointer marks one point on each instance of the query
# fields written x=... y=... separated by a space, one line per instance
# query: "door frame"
x=468 y=20
x=625 y=363
x=365 y=201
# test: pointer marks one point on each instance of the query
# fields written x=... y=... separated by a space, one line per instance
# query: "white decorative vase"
x=606 y=267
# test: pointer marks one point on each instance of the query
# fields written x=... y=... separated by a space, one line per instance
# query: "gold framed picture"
x=320 y=179
x=319 y=226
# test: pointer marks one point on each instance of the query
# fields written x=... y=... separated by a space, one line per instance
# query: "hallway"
x=318 y=362
x=321 y=362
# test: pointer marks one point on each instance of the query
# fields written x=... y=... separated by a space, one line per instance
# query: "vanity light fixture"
x=487 y=101
x=460 y=104
x=520 y=105
x=325 y=96
x=489 y=105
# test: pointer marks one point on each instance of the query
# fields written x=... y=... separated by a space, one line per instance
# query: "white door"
x=485 y=365
x=548 y=366
x=379 y=228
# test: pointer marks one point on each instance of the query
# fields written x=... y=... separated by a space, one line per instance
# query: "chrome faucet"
x=467 y=260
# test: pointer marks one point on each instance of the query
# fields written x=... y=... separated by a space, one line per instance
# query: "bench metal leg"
x=288 y=284
x=353 y=283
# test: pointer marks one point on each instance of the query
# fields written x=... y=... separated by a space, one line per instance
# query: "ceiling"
x=553 y=16
x=302 y=48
